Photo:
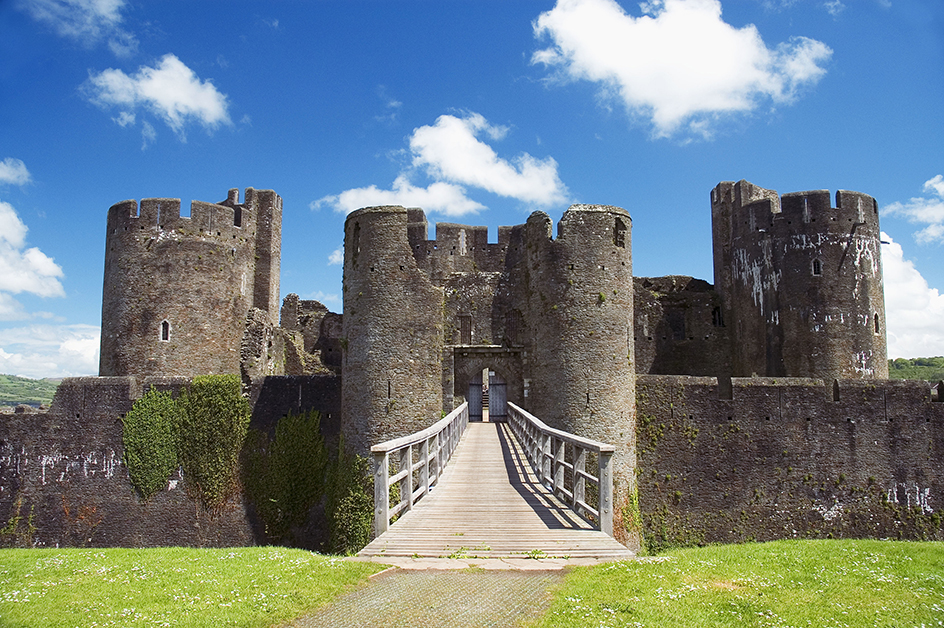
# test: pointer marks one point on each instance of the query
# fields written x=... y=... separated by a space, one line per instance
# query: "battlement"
x=228 y=218
x=163 y=215
x=751 y=208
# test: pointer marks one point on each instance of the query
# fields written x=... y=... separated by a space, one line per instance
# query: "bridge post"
x=381 y=493
x=406 y=484
x=580 y=482
x=424 y=470
x=559 y=465
x=606 y=491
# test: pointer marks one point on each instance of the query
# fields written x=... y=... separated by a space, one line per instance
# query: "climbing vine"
x=213 y=428
x=349 y=502
x=284 y=476
x=150 y=438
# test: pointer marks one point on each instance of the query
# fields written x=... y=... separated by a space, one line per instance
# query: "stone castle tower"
x=549 y=318
x=177 y=289
x=800 y=282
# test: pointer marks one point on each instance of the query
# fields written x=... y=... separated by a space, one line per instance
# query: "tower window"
x=717 y=318
x=817 y=267
x=619 y=234
x=875 y=322
x=165 y=331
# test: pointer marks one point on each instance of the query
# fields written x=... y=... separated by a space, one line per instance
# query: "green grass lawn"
x=254 y=586
x=779 y=584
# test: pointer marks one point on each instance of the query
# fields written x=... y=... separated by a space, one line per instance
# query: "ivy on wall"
x=284 y=477
x=213 y=429
x=205 y=432
x=349 y=502
x=150 y=439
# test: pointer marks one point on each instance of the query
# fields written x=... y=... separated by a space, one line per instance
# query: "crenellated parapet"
x=800 y=281
x=177 y=289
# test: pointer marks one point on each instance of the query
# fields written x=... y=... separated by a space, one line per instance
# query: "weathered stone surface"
x=770 y=458
x=177 y=289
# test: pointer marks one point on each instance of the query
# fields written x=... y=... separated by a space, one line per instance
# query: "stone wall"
x=764 y=458
x=679 y=327
x=63 y=471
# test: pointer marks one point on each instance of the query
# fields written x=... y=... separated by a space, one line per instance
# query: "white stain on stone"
x=911 y=496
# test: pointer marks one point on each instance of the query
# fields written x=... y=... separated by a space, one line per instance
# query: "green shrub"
x=150 y=438
x=212 y=432
x=350 y=502
x=285 y=476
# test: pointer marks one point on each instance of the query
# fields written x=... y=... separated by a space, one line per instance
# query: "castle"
x=765 y=393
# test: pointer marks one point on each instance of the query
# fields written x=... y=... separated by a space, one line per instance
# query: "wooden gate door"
x=474 y=398
x=497 y=398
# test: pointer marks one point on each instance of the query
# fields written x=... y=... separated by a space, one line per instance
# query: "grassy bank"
x=779 y=584
x=256 y=586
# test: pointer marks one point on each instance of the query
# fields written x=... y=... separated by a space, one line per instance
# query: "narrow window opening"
x=619 y=234
x=875 y=323
x=717 y=318
x=165 y=331
x=237 y=216
x=817 y=267
x=355 y=244
x=465 y=330
x=835 y=390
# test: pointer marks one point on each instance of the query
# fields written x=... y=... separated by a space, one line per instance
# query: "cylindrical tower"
x=832 y=296
x=393 y=332
x=581 y=303
x=801 y=282
x=177 y=289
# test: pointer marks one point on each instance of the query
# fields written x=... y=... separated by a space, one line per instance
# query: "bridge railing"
x=563 y=472
x=423 y=454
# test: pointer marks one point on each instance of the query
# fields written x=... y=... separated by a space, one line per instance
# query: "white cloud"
x=929 y=211
x=14 y=171
x=834 y=7
x=679 y=64
x=439 y=197
x=50 y=350
x=913 y=309
x=337 y=257
x=451 y=153
x=23 y=269
x=451 y=150
x=86 y=21
x=170 y=90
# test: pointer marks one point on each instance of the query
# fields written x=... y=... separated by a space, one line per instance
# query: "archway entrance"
x=488 y=397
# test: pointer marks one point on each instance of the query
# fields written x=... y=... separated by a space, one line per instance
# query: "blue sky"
x=479 y=111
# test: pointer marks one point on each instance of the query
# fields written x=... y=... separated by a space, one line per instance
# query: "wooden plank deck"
x=490 y=505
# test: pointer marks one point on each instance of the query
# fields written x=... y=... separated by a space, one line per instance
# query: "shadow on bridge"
x=490 y=504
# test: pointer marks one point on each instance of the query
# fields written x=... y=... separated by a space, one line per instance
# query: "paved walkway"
x=489 y=505
x=434 y=599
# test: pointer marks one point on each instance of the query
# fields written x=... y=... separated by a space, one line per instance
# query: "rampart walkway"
x=489 y=504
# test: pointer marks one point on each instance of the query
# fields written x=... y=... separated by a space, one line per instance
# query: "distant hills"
x=931 y=369
x=33 y=392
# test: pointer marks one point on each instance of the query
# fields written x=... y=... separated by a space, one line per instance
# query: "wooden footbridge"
x=510 y=489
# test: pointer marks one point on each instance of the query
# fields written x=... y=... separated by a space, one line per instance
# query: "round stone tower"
x=393 y=332
x=801 y=282
x=177 y=289
x=580 y=301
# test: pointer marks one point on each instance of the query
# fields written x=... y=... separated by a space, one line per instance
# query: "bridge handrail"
x=545 y=448
x=436 y=444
